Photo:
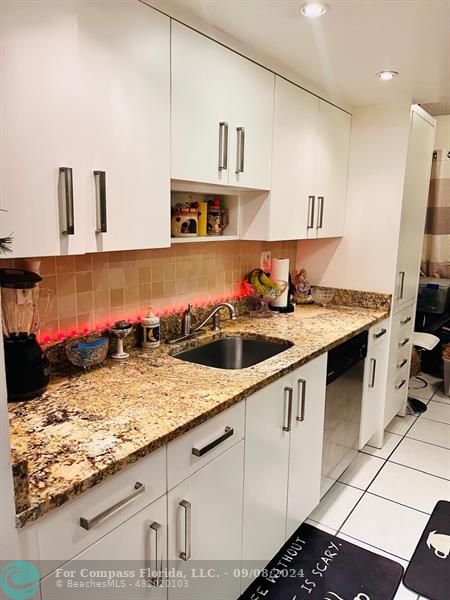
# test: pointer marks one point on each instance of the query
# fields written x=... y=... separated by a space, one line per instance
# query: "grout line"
x=420 y=470
x=399 y=503
x=429 y=443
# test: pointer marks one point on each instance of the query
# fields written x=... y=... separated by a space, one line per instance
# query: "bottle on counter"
x=150 y=329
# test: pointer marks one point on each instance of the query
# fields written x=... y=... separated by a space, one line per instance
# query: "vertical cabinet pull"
x=240 y=149
x=66 y=174
x=156 y=581
x=302 y=399
x=311 y=203
x=100 y=193
x=223 y=146
x=402 y=284
x=289 y=392
x=320 y=200
x=373 y=367
x=186 y=554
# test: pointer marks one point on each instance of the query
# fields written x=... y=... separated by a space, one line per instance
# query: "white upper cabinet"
x=412 y=226
x=85 y=89
x=333 y=146
x=294 y=153
x=39 y=104
x=251 y=119
x=200 y=107
x=125 y=58
x=222 y=113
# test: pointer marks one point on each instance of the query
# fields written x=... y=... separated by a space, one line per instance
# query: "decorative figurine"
x=120 y=330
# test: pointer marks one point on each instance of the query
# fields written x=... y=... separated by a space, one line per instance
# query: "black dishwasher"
x=345 y=373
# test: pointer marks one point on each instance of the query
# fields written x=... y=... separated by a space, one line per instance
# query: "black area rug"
x=428 y=573
x=316 y=565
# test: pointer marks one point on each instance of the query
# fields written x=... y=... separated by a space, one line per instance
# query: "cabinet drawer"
x=61 y=535
x=400 y=356
x=397 y=392
x=379 y=333
x=403 y=320
x=195 y=449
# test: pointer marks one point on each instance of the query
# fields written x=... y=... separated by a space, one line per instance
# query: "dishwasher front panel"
x=342 y=424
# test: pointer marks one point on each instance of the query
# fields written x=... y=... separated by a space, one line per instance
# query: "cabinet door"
x=205 y=516
x=266 y=471
x=415 y=194
x=40 y=115
x=251 y=117
x=333 y=145
x=305 y=457
x=200 y=104
x=139 y=543
x=374 y=391
x=293 y=161
x=125 y=54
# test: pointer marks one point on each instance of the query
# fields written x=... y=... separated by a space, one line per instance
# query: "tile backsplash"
x=91 y=290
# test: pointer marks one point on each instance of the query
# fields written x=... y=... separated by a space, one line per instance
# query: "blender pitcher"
x=24 y=310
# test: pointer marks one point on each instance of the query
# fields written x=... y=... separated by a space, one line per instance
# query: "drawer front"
x=61 y=535
x=379 y=333
x=397 y=393
x=198 y=447
x=403 y=320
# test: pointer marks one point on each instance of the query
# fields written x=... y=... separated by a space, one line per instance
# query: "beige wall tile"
x=65 y=284
x=83 y=281
x=116 y=297
x=83 y=262
x=85 y=302
x=116 y=278
x=65 y=264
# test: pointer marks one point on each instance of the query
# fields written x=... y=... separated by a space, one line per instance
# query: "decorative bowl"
x=265 y=297
x=87 y=354
x=322 y=295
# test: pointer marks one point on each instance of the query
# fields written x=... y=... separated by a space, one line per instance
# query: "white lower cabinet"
x=283 y=457
x=205 y=528
x=139 y=545
x=374 y=387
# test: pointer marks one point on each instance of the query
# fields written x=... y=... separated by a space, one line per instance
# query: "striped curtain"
x=436 y=246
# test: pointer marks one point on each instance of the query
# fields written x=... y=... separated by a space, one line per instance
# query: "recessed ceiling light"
x=314 y=9
x=387 y=75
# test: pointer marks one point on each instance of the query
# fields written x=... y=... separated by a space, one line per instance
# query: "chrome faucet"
x=188 y=331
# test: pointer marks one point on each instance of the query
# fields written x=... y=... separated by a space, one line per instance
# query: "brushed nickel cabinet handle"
x=404 y=321
x=66 y=174
x=187 y=506
x=373 y=368
x=229 y=431
x=302 y=399
x=139 y=488
x=311 y=204
x=240 y=149
x=156 y=581
x=402 y=284
x=400 y=385
x=402 y=363
x=321 y=201
x=403 y=342
x=379 y=334
x=223 y=146
x=100 y=192
x=290 y=393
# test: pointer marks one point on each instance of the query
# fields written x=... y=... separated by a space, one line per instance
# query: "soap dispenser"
x=150 y=329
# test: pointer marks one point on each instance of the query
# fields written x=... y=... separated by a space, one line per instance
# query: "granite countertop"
x=88 y=426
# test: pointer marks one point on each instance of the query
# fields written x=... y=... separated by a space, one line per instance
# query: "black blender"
x=27 y=367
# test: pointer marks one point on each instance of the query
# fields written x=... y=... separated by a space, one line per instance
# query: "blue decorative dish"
x=87 y=354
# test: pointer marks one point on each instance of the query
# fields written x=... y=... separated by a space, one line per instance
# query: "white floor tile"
x=391 y=440
x=321 y=526
x=400 y=425
x=410 y=487
x=423 y=393
x=362 y=471
x=431 y=432
x=336 y=505
x=386 y=525
x=424 y=457
x=441 y=397
x=437 y=411
x=402 y=593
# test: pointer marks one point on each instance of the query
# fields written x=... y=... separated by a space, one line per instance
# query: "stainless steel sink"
x=233 y=352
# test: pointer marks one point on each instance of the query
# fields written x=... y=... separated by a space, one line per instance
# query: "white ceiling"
x=339 y=54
